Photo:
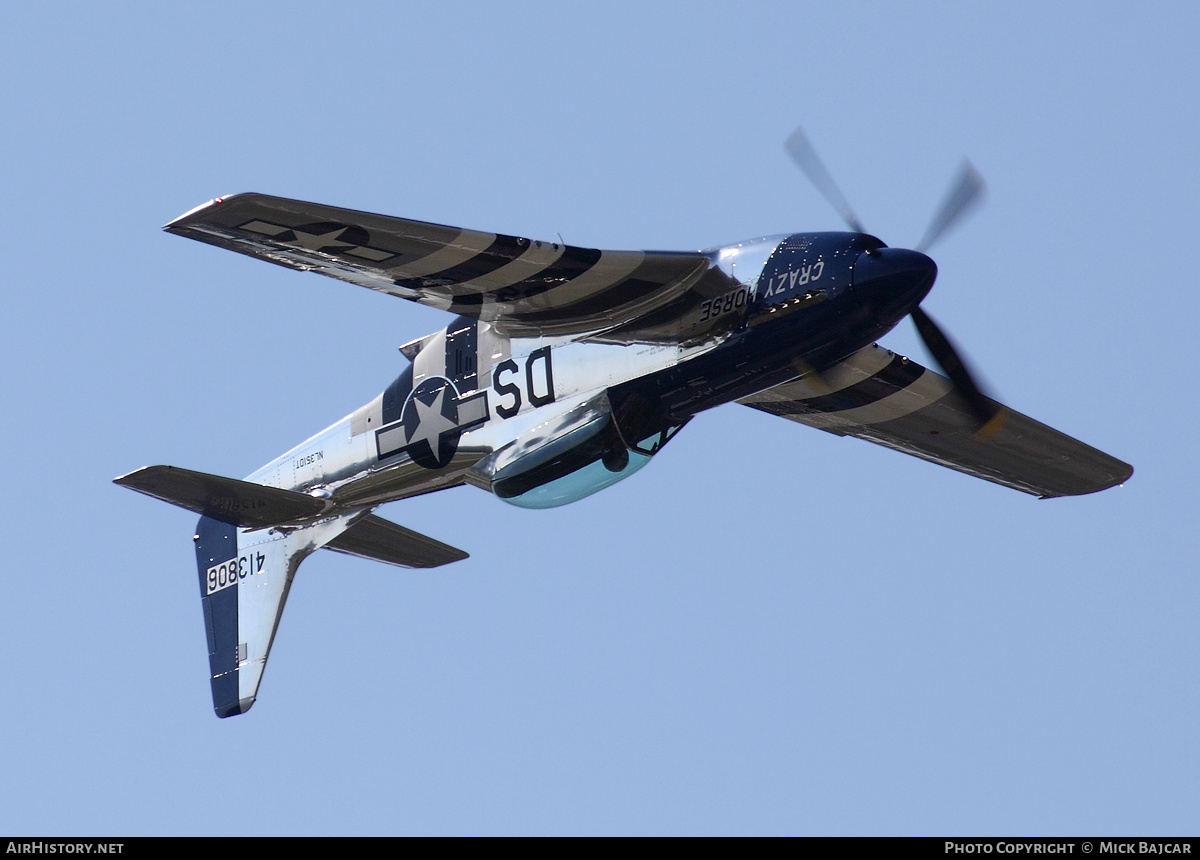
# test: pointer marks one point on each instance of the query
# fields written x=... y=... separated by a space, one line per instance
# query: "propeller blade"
x=989 y=414
x=806 y=158
x=966 y=191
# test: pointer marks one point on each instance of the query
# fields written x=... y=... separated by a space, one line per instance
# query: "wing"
x=523 y=287
x=893 y=401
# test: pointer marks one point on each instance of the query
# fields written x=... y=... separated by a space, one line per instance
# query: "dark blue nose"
x=892 y=281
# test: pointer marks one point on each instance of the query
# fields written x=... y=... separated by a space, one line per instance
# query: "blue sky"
x=770 y=630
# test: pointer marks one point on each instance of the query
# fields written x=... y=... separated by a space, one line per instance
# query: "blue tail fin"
x=245 y=575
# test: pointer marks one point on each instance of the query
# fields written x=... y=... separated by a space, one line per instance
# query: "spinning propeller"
x=965 y=192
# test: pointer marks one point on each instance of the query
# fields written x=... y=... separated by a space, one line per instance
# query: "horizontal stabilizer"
x=379 y=540
x=228 y=500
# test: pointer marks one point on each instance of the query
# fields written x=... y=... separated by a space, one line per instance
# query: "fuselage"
x=542 y=421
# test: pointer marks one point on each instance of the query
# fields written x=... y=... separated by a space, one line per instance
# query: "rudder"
x=216 y=560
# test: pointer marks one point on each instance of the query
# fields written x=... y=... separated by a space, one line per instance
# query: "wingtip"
x=1118 y=480
x=1122 y=476
x=137 y=476
x=172 y=225
x=129 y=477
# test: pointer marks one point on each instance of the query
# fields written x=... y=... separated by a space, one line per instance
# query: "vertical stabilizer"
x=245 y=575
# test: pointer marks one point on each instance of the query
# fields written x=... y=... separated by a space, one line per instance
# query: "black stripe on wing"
x=896 y=376
x=573 y=263
x=652 y=274
x=502 y=251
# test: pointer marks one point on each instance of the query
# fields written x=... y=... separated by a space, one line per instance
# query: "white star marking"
x=431 y=423
x=317 y=241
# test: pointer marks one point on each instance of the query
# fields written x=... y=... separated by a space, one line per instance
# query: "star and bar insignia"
x=322 y=237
